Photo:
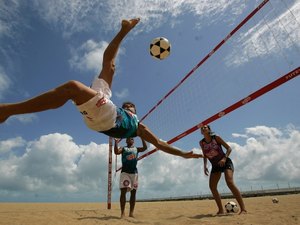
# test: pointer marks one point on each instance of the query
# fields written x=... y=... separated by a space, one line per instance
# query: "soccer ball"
x=231 y=207
x=160 y=48
x=275 y=200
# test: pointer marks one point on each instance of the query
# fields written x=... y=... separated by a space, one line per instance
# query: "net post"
x=109 y=174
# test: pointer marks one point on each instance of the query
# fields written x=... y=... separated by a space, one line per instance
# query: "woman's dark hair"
x=206 y=126
x=210 y=131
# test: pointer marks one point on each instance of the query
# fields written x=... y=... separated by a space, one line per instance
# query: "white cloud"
x=122 y=94
x=71 y=15
x=88 y=56
x=268 y=37
x=265 y=156
x=9 y=144
x=239 y=135
x=157 y=12
x=269 y=154
x=5 y=82
x=55 y=165
x=75 y=15
x=24 y=118
x=163 y=175
x=9 y=17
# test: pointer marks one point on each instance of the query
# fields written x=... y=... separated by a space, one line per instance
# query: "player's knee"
x=230 y=183
x=73 y=85
x=70 y=88
x=214 y=190
x=212 y=187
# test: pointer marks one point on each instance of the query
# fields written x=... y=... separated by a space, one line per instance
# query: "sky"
x=52 y=157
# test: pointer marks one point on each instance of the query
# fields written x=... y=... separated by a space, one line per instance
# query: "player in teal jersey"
x=129 y=173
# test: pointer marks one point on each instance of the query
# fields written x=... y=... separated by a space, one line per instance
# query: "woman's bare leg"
x=72 y=90
x=213 y=185
x=235 y=191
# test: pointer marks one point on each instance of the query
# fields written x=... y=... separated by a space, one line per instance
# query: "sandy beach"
x=261 y=210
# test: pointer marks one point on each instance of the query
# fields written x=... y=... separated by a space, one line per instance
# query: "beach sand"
x=261 y=211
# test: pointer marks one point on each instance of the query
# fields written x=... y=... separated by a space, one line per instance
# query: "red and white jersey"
x=212 y=150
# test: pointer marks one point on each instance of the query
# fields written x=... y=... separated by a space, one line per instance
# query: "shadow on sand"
x=107 y=218
x=99 y=218
x=208 y=216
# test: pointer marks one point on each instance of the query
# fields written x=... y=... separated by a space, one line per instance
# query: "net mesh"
x=264 y=49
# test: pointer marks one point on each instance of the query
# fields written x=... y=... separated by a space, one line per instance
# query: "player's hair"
x=206 y=126
x=129 y=103
x=210 y=131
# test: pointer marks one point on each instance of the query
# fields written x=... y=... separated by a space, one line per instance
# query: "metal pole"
x=109 y=175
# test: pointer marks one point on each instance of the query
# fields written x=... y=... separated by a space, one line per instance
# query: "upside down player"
x=99 y=112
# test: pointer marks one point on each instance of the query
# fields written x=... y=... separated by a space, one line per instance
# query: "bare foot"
x=122 y=216
x=131 y=215
x=220 y=213
x=243 y=212
x=127 y=25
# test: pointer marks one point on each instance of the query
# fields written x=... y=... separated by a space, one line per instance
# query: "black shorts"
x=228 y=166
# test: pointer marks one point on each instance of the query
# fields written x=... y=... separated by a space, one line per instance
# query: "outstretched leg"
x=145 y=133
x=72 y=90
x=110 y=53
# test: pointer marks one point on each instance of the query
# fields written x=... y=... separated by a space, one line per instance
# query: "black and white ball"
x=231 y=207
x=275 y=200
x=160 y=48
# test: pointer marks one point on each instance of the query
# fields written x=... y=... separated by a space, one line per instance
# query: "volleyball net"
x=264 y=49
x=267 y=38
x=259 y=54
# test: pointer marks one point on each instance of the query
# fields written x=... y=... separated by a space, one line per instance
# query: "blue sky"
x=52 y=156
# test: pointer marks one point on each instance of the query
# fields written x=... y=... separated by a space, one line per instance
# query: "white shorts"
x=101 y=85
x=99 y=113
x=129 y=181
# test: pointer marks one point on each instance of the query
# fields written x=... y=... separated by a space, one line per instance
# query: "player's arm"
x=204 y=160
x=142 y=149
x=223 y=143
x=118 y=150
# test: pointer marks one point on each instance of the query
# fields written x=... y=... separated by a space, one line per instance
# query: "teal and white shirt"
x=129 y=160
